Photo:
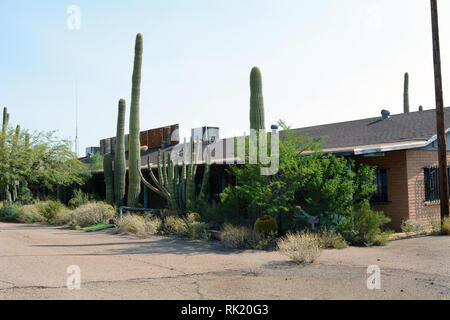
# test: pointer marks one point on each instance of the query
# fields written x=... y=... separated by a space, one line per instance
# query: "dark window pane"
x=431 y=180
x=381 y=194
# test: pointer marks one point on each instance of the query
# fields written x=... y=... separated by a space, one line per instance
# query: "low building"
x=402 y=147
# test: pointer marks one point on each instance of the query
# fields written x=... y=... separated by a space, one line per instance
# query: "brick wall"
x=395 y=162
x=419 y=210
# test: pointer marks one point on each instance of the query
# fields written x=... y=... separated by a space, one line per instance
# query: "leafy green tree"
x=37 y=158
x=308 y=180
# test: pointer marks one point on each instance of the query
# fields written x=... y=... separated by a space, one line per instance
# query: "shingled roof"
x=398 y=129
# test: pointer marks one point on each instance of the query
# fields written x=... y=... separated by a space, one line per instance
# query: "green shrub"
x=435 y=223
x=79 y=199
x=445 y=230
x=92 y=213
x=200 y=230
x=330 y=239
x=64 y=217
x=138 y=225
x=411 y=227
x=29 y=214
x=307 y=179
x=49 y=210
x=25 y=195
x=362 y=227
x=239 y=237
x=175 y=226
x=300 y=247
x=8 y=212
x=266 y=225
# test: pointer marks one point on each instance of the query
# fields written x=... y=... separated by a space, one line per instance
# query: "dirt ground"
x=34 y=261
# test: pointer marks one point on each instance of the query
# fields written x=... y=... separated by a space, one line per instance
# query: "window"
x=432 y=186
x=381 y=194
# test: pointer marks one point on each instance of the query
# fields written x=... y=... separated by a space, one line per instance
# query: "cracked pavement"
x=34 y=261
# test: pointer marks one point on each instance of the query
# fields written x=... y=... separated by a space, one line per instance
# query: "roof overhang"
x=379 y=148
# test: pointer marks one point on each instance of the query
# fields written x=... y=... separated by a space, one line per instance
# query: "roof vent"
x=385 y=114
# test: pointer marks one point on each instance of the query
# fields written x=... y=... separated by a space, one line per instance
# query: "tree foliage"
x=37 y=158
x=308 y=180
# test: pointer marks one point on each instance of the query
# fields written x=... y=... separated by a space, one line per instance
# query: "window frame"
x=381 y=195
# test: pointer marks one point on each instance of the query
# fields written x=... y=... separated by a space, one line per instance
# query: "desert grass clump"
x=138 y=225
x=64 y=217
x=411 y=227
x=435 y=223
x=92 y=213
x=445 y=229
x=29 y=214
x=239 y=237
x=330 y=239
x=300 y=247
x=176 y=226
x=50 y=210
x=199 y=230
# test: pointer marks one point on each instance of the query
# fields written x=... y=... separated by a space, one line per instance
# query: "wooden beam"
x=440 y=116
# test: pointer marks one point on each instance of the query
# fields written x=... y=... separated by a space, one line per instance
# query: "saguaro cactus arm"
x=159 y=189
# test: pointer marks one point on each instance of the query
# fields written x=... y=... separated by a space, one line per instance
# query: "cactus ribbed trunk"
x=109 y=180
x=119 y=157
x=179 y=189
x=134 y=179
x=256 y=100
x=3 y=157
x=406 y=94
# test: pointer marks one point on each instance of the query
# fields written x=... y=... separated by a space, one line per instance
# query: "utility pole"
x=440 y=116
x=76 y=118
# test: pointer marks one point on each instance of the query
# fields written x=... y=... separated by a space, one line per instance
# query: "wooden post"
x=440 y=116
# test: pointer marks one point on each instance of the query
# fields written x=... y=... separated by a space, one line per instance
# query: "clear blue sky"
x=322 y=61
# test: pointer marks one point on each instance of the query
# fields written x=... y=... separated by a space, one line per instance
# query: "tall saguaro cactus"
x=406 y=94
x=4 y=127
x=109 y=180
x=134 y=179
x=119 y=156
x=256 y=100
x=3 y=156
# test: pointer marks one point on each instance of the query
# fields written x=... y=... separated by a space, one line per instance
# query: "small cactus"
x=266 y=225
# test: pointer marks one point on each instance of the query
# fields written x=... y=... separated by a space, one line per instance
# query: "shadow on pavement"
x=159 y=245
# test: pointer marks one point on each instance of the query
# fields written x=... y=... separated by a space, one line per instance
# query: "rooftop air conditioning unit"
x=205 y=134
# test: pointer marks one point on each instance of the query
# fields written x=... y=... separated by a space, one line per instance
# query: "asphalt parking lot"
x=34 y=260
